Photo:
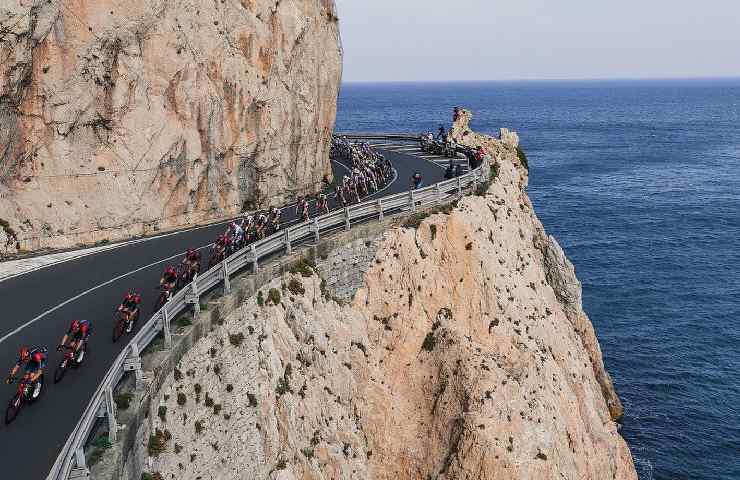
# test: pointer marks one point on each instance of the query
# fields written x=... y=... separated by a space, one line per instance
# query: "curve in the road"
x=90 y=287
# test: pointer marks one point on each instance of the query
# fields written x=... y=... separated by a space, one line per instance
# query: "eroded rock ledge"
x=464 y=353
x=124 y=118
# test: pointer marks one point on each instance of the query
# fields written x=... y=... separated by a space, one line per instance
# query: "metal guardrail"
x=71 y=464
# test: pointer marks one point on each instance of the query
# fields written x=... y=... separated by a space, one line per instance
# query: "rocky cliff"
x=451 y=347
x=123 y=118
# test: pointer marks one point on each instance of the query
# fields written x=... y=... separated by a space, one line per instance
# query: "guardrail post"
x=347 y=224
x=411 y=199
x=475 y=182
x=380 y=209
x=133 y=364
x=288 y=249
x=192 y=298
x=80 y=471
x=459 y=187
x=439 y=192
x=110 y=412
x=255 y=264
x=166 y=320
x=225 y=273
x=316 y=230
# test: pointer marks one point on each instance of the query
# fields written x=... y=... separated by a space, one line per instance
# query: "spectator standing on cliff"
x=442 y=135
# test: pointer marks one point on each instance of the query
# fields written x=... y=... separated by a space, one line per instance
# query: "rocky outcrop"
x=120 y=119
x=464 y=353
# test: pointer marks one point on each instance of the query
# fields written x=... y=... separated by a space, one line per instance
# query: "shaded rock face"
x=118 y=119
x=457 y=358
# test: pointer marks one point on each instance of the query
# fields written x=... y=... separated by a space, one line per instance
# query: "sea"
x=640 y=183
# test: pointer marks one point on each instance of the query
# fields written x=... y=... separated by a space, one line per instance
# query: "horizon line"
x=564 y=79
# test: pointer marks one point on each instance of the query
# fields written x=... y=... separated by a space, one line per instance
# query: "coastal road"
x=37 y=308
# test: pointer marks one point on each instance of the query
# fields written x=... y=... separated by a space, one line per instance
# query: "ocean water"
x=640 y=183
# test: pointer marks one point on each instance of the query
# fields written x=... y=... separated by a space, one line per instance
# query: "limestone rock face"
x=122 y=118
x=464 y=354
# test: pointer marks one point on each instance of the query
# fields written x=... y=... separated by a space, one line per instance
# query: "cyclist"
x=302 y=208
x=416 y=180
x=322 y=204
x=441 y=134
x=35 y=361
x=340 y=196
x=222 y=245
x=248 y=228
x=192 y=262
x=275 y=214
x=169 y=278
x=261 y=225
x=79 y=331
x=129 y=308
x=236 y=233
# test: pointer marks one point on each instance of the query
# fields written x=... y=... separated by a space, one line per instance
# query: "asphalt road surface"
x=38 y=307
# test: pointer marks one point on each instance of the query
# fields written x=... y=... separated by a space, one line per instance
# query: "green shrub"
x=283 y=385
x=123 y=400
x=252 y=400
x=273 y=296
x=162 y=413
x=236 y=339
x=184 y=321
x=296 y=287
x=260 y=299
x=151 y=476
x=157 y=443
x=415 y=220
x=522 y=158
x=102 y=442
x=304 y=267
x=181 y=399
x=199 y=427
x=308 y=452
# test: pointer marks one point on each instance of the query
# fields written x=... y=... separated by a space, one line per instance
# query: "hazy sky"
x=538 y=39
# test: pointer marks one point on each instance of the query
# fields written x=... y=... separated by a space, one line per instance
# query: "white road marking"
x=95 y=250
x=77 y=297
x=104 y=284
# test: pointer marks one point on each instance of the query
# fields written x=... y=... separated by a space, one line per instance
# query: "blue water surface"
x=640 y=183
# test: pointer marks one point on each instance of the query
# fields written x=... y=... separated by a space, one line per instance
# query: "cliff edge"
x=124 y=118
x=462 y=353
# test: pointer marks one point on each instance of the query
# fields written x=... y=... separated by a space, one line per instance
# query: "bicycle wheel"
x=60 y=371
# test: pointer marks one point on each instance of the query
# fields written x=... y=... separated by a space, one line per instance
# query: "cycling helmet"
x=75 y=326
x=170 y=270
x=24 y=353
